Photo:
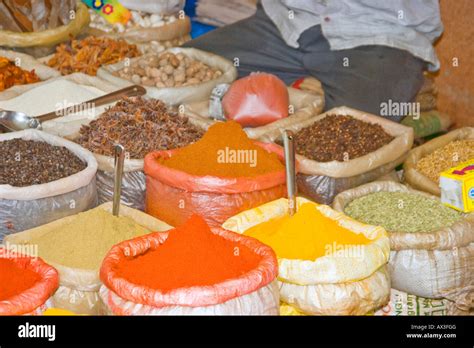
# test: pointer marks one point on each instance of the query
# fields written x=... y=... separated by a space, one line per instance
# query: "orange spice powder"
x=225 y=150
x=191 y=256
x=14 y=279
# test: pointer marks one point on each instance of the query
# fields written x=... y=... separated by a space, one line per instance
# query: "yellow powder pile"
x=307 y=235
x=86 y=239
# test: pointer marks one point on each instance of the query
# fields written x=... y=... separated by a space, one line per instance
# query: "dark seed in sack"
x=28 y=162
x=141 y=126
x=340 y=138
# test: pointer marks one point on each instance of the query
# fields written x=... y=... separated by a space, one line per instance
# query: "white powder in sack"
x=50 y=97
x=54 y=96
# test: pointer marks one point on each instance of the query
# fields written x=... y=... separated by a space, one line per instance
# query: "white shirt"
x=411 y=25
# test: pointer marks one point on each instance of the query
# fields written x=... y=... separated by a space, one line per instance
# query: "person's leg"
x=257 y=44
x=363 y=77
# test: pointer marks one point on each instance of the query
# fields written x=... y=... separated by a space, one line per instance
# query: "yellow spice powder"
x=307 y=235
x=85 y=240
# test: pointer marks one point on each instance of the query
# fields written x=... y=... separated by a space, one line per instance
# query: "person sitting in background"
x=365 y=52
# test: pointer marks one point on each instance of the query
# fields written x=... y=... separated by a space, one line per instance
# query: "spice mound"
x=191 y=256
x=307 y=235
x=225 y=150
x=141 y=126
x=402 y=212
x=28 y=162
x=446 y=157
x=12 y=75
x=15 y=279
x=89 y=54
x=84 y=241
x=168 y=70
x=340 y=138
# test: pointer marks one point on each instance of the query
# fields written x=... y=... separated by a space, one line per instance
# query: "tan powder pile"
x=446 y=157
x=85 y=240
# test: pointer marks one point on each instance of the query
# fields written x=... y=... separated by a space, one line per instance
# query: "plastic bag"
x=78 y=290
x=322 y=181
x=417 y=180
x=303 y=105
x=35 y=300
x=256 y=100
x=178 y=95
x=329 y=285
x=173 y=196
x=48 y=37
x=428 y=264
x=22 y=208
x=253 y=293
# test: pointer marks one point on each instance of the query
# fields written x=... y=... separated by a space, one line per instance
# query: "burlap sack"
x=435 y=264
x=78 y=290
x=34 y=42
x=168 y=32
x=417 y=180
x=304 y=105
x=178 y=95
x=332 y=284
x=322 y=181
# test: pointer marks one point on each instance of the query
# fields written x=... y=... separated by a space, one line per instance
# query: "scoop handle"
x=130 y=91
x=290 y=165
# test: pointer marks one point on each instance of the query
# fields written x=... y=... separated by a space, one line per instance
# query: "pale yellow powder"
x=84 y=242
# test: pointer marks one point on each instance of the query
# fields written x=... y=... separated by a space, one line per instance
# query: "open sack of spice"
x=217 y=177
x=329 y=264
x=43 y=178
x=76 y=246
x=299 y=106
x=18 y=69
x=424 y=164
x=344 y=148
x=36 y=26
x=432 y=246
x=141 y=126
x=190 y=270
x=176 y=76
x=62 y=92
x=27 y=284
x=87 y=55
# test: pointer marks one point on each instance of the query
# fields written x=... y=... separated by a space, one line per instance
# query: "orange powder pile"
x=225 y=150
x=14 y=279
x=191 y=256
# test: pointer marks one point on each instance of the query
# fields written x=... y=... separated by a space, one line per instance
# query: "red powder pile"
x=14 y=279
x=191 y=256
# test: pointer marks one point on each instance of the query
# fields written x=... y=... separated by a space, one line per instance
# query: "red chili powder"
x=191 y=256
x=14 y=279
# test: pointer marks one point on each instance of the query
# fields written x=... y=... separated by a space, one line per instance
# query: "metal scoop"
x=16 y=121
